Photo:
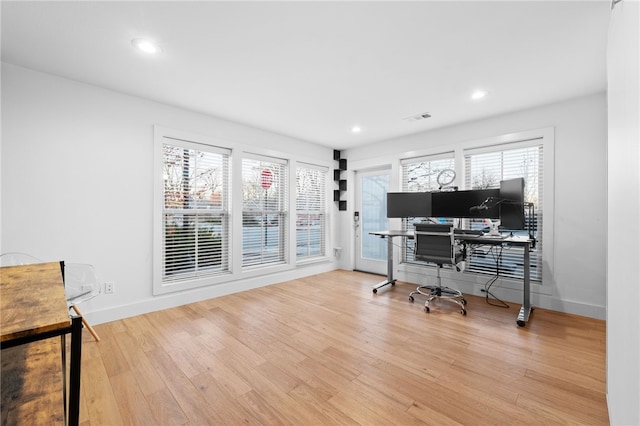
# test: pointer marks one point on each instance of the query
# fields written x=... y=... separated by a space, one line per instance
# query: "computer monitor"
x=408 y=204
x=471 y=204
x=512 y=204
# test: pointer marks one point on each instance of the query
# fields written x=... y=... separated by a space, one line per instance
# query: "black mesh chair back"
x=435 y=243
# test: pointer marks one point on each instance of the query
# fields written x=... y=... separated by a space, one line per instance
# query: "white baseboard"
x=166 y=301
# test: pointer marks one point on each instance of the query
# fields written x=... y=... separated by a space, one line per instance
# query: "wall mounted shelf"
x=337 y=178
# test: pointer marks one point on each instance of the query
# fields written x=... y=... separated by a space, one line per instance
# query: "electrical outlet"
x=109 y=287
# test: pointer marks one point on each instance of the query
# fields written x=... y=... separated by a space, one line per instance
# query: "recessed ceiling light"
x=479 y=94
x=356 y=129
x=145 y=45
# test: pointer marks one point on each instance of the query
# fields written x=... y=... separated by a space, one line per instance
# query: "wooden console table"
x=33 y=307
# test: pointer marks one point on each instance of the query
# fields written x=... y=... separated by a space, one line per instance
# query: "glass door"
x=370 y=215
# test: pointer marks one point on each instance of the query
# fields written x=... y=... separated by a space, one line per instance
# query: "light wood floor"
x=326 y=350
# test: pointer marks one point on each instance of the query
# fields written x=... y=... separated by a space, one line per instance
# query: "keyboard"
x=475 y=232
x=495 y=237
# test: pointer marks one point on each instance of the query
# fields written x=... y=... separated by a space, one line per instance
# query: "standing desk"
x=33 y=307
x=389 y=236
x=518 y=241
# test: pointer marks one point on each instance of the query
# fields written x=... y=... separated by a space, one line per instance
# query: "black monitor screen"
x=511 y=206
x=465 y=204
x=408 y=204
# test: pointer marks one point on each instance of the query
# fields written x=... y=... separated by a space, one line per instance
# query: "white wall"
x=77 y=184
x=623 y=249
x=577 y=275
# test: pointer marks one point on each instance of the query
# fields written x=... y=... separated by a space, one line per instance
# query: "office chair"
x=435 y=243
x=15 y=259
x=80 y=282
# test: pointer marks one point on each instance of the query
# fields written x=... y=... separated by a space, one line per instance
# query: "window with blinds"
x=195 y=214
x=420 y=175
x=485 y=168
x=264 y=211
x=311 y=212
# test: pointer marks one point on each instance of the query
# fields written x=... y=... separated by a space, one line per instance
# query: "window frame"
x=546 y=137
x=282 y=212
x=323 y=212
x=510 y=255
x=197 y=142
x=406 y=254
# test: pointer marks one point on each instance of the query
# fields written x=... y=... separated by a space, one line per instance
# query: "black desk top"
x=471 y=238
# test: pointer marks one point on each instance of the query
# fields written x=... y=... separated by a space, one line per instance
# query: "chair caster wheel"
x=463 y=311
x=410 y=298
x=426 y=309
x=464 y=301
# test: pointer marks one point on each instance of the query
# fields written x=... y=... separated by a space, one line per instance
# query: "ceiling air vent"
x=418 y=117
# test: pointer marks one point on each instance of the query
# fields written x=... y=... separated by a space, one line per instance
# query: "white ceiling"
x=313 y=70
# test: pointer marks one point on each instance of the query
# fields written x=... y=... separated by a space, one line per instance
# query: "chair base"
x=439 y=292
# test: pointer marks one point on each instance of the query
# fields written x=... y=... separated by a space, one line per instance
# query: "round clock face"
x=446 y=176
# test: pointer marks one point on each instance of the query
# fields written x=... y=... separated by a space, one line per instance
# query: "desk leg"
x=63 y=351
x=74 y=371
x=526 y=309
x=390 y=279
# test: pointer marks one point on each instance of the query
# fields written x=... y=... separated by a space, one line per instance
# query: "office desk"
x=33 y=307
x=389 y=235
x=518 y=241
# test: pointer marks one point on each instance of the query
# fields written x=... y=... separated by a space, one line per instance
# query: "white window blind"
x=311 y=212
x=264 y=211
x=195 y=210
x=420 y=175
x=485 y=168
